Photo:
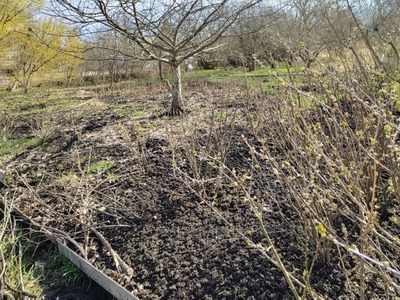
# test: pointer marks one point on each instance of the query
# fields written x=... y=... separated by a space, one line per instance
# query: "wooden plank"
x=103 y=280
x=95 y=274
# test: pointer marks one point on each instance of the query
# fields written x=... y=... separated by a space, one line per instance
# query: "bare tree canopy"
x=167 y=31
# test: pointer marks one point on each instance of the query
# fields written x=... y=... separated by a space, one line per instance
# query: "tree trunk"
x=252 y=62
x=14 y=87
x=112 y=73
x=270 y=60
x=309 y=62
x=160 y=71
x=176 y=91
x=27 y=84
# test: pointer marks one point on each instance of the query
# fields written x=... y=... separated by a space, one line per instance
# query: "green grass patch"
x=59 y=268
x=221 y=116
x=28 y=269
x=36 y=102
x=261 y=77
x=19 y=272
x=128 y=111
x=214 y=75
x=281 y=69
x=100 y=167
x=12 y=147
x=81 y=160
x=48 y=107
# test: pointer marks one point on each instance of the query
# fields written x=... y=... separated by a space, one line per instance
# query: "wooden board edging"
x=111 y=286
x=96 y=275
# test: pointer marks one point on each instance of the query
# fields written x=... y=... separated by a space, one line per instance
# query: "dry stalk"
x=121 y=266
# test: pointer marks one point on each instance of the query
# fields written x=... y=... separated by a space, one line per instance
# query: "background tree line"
x=100 y=41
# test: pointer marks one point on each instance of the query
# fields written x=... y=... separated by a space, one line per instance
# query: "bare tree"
x=167 y=31
x=249 y=34
x=377 y=24
x=257 y=35
x=368 y=29
x=384 y=25
x=307 y=25
x=106 y=56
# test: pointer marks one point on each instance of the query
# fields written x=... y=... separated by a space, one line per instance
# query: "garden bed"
x=107 y=183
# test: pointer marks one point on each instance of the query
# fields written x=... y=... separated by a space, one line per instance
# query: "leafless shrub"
x=43 y=127
x=338 y=159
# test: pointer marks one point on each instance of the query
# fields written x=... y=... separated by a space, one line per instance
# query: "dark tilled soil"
x=80 y=290
x=178 y=245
